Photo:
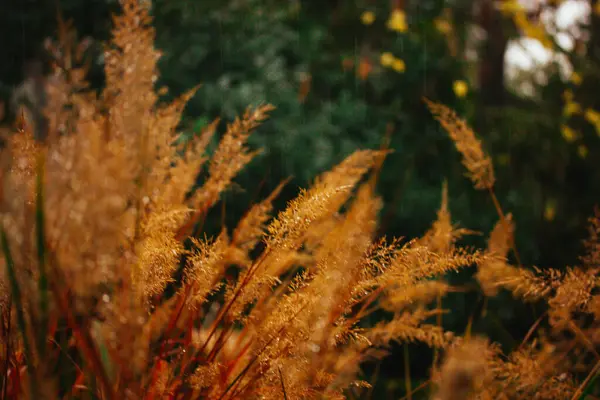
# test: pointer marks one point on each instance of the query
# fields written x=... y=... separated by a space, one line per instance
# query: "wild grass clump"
x=99 y=219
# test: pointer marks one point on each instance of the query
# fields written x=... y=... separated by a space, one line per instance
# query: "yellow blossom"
x=387 y=59
x=582 y=150
x=510 y=6
x=568 y=134
x=533 y=31
x=460 y=88
x=397 y=21
x=443 y=25
x=597 y=8
x=367 y=17
x=571 y=108
x=576 y=78
x=520 y=19
x=398 y=65
x=550 y=210
x=592 y=116
x=538 y=32
x=568 y=95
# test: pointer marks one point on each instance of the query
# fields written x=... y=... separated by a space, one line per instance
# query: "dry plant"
x=560 y=361
x=98 y=219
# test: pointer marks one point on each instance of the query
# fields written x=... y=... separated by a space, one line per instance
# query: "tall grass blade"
x=282 y=385
x=16 y=296
x=40 y=235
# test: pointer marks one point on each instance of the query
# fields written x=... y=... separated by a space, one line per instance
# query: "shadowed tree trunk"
x=491 y=66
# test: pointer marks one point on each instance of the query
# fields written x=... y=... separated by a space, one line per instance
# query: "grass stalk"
x=17 y=297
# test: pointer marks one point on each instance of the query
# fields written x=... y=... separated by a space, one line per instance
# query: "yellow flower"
x=510 y=7
x=592 y=116
x=571 y=108
x=568 y=95
x=460 y=88
x=582 y=150
x=538 y=32
x=367 y=17
x=397 y=21
x=398 y=65
x=597 y=8
x=520 y=19
x=387 y=59
x=534 y=31
x=442 y=25
x=576 y=78
x=568 y=134
x=550 y=210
